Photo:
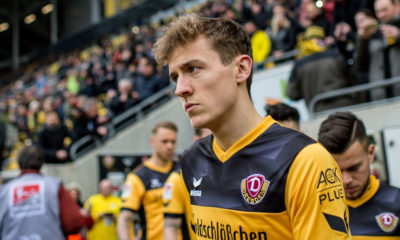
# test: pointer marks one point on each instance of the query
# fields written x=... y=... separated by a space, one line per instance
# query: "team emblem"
x=387 y=221
x=254 y=187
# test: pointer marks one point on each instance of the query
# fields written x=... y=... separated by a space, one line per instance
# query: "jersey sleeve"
x=315 y=197
x=173 y=196
x=132 y=193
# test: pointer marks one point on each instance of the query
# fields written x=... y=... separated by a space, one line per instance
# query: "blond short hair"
x=228 y=38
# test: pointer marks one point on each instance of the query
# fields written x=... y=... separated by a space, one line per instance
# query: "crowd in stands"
x=78 y=92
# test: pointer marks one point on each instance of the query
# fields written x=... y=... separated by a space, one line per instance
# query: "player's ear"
x=244 y=64
x=371 y=153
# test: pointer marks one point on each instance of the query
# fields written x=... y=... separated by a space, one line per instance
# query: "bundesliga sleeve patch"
x=387 y=221
x=254 y=188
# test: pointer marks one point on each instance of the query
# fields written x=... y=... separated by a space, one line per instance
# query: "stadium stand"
x=70 y=81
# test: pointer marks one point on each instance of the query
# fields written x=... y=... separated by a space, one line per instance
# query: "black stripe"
x=336 y=223
x=172 y=215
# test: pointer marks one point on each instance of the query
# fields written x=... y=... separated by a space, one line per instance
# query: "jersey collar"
x=165 y=169
x=372 y=188
x=243 y=142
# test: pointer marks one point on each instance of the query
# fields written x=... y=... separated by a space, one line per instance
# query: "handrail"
x=349 y=90
x=120 y=122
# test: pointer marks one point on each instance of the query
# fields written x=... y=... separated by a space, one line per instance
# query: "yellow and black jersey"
x=274 y=183
x=375 y=215
x=176 y=204
x=142 y=194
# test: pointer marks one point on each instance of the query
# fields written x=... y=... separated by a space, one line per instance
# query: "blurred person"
x=88 y=121
x=103 y=208
x=20 y=120
x=147 y=82
x=54 y=139
x=316 y=15
x=320 y=70
x=282 y=31
x=124 y=99
x=374 y=207
x=143 y=189
x=3 y=141
x=177 y=212
x=251 y=177
x=378 y=47
x=35 y=206
x=286 y=115
x=75 y=190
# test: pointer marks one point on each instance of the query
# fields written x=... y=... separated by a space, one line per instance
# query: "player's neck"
x=238 y=125
x=157 y=161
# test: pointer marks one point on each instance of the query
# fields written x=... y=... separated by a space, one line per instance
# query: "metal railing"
x=119 y=122
x=348 y=91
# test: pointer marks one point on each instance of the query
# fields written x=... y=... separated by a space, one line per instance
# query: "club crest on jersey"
x=254 y=187
x=387 y=221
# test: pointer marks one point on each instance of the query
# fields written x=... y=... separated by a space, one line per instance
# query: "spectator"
x=75 y=190
x=54 y=139
x=103 y=208
x=89 y=122
x=378 y=47
x=316 y=15
x=147 y=82
x=124 y=99
x=374 y=207
x=143 y=190
x=288 y=116
x=309 y=77
x=2 y=141
x=282 y=31
x=35 y=206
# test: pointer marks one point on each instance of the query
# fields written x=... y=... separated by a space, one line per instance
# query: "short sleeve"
x=315 y=197
x=173 y=195
x=132 y=193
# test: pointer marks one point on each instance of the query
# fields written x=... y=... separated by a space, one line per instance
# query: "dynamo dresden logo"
x=387 y=221
x=254 y=187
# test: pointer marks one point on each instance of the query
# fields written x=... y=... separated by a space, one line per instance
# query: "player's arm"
x=171 y=227
x=132 y=195
x=125 y=218
x=173 y=206
x=315 y=197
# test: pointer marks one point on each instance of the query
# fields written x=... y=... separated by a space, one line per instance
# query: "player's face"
x=206 y=87
x=163 y=143
x=354 y=164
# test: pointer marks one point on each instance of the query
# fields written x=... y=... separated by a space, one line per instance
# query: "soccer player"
x=177 y=211
x=251 y=179
x=142 y=194
x=374 y=207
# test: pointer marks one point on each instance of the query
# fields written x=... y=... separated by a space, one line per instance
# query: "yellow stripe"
x=372 y=188
x=165 y=169
x=244 y=141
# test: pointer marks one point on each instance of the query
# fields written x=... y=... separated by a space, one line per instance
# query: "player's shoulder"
x=389 y=194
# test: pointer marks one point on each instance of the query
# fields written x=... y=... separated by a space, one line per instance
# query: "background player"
x=374 y=207
x=143 y=189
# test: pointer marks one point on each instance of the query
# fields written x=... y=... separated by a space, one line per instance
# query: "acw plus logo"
x=254 y=187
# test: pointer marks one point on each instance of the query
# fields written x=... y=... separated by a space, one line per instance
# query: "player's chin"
x=197 y=122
